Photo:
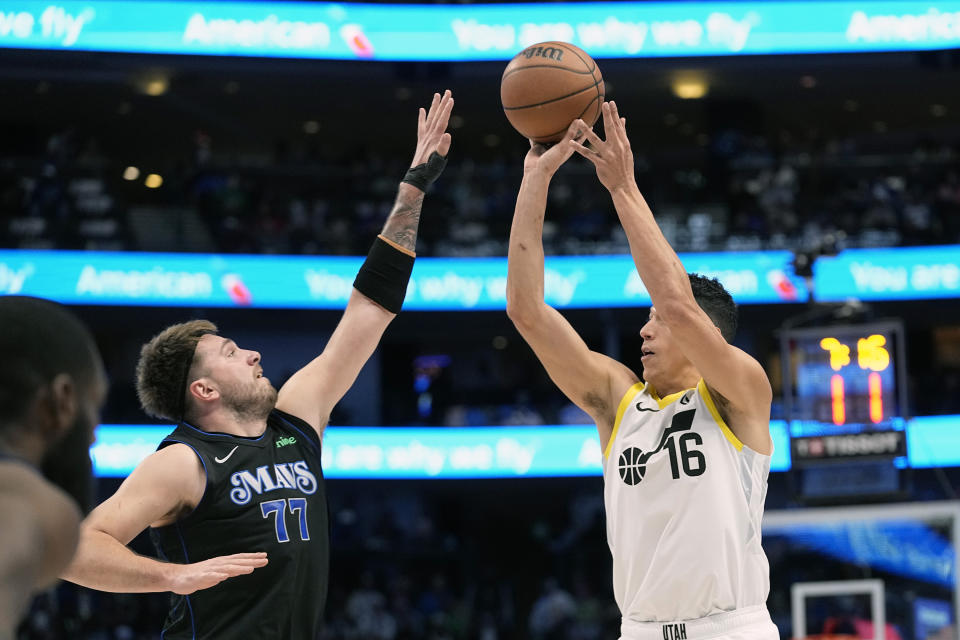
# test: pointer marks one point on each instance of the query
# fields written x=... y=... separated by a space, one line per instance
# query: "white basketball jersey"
x=684 y=500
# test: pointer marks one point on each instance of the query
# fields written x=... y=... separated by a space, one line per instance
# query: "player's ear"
x=203 y=390
x=56 y=407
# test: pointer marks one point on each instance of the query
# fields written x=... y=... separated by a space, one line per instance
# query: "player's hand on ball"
x=612 y=157
x=546 y=160
x=432 y=128
x=188 y=578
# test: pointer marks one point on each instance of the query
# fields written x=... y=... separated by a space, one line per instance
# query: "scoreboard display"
x=849 y=377
x=844 y=395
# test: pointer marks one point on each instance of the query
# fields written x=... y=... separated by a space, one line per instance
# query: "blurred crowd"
x=736 y=193
x=409 y=564
x=415 y=565
x=491 y=560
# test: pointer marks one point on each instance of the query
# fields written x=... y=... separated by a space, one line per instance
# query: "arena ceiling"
x=251 y=104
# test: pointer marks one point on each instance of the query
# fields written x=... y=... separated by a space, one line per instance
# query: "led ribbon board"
x=325 y=282
x=477 y=32
x=487 y=452
x=903 y=273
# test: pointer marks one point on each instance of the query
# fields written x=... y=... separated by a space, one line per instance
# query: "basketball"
x=549 y=85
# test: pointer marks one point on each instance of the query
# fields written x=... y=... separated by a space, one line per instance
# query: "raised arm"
x=739 y=380
x=166 y=485
x=592 y=381
x=312 y=392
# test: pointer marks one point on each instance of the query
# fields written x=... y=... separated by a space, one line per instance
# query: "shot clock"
x=845 y=376
x=844 y=397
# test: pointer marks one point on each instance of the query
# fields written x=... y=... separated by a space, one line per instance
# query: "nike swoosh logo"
x=226 y=457
x=639 y=408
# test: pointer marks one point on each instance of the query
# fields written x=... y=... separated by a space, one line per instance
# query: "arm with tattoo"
x=381 y=283
x=404 y=221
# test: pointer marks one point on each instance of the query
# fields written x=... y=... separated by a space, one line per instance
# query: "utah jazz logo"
x=633 y=461
x=633 y=465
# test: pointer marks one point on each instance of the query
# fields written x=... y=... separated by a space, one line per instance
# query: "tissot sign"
x=856 y=446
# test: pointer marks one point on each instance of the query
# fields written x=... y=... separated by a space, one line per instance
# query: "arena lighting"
x=151 y=82
x=689 y=88
x=358 y=31
x=131 y=173
x=153 y=181
x=156 y=87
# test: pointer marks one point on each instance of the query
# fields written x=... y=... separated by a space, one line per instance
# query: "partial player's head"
x=52 y=386
x=188 y=370
x=663 y=359
x=716 y=302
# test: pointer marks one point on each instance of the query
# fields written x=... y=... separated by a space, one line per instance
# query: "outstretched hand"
x=432 y=128
x=547 y=160
x=203 y=575
x=612 y=157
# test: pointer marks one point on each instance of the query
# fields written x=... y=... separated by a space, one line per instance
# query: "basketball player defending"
x=235 y=494
x=686 y=450
x=51 y=388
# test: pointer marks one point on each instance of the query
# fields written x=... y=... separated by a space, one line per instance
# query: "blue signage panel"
x=906 y=548
x=472 y=452
x=780 y=434
x=902 y=273
x=402 y=452
x=931 y=617
x=325 y=282
x=477 y=32
x=934 y=441
x=119 y=448
x=485 y=452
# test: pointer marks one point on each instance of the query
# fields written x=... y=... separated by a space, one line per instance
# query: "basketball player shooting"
x=235 y=496
x=686 y=450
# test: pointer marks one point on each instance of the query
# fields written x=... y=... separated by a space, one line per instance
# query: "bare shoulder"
x=179 y=456
x=622 y=378
x=24 y=486
x=176 y=468
x=22 y=553
x=41 y=525
x=20 y=489
x=747 y=414
x=605 y=398
x=755 y=382
x=165 y=485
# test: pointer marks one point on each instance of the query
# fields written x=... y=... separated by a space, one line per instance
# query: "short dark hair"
x=716 y=302
x=39 y=340
x=165 y=366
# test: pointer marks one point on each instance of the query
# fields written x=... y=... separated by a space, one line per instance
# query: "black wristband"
x=384 y=275
x=424 y=174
